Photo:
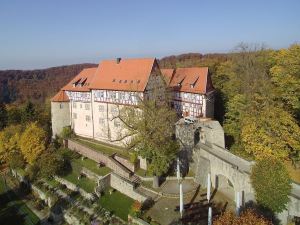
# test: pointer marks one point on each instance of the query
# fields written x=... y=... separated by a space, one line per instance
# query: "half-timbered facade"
x=192 y=91
x=94 y=97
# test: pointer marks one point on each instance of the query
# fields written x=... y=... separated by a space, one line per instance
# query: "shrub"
x=272 y=184
x=248 y=217
x=66 y=132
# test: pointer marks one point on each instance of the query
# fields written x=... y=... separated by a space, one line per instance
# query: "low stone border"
x=74 y=187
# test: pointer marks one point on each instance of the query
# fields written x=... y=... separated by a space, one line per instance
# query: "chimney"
x=118 y=60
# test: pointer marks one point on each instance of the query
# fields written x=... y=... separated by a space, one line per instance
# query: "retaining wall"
x=74 y=187
x=119 y=167
x=126 y=187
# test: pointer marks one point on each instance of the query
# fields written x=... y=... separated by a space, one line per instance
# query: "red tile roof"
x=126 y=75
x=168 y=75
x=60 y=97
x=193 y=80
x=82 y=81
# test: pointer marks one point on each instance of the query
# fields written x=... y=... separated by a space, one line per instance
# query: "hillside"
x=36 y=85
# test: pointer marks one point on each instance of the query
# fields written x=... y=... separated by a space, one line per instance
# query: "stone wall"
x=126 y=187
x=125 y=162
x=74 y=187
x=91 y=175
x=143 y=162
x=205 y=140
x=103 y=184
x=99 y=157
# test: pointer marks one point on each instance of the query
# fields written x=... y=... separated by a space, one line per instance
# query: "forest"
x=35 y=85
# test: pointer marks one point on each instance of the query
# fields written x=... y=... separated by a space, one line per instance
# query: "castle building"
x=91 y=101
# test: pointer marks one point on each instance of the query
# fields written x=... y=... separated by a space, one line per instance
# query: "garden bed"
x=116 y=202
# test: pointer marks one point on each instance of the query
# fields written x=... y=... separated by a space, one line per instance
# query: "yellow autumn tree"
x=286 y=76
x=271 y=131
x=32 y=142
x=9 y=141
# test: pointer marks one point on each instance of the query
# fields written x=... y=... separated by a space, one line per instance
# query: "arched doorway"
x=225 y=186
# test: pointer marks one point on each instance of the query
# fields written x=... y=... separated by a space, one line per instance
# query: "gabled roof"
x=168 y=75
x=60 y=97
x=82 y=81
x=123 y=75
x=193 y=80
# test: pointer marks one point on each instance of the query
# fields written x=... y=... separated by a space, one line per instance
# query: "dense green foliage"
x=272 y=183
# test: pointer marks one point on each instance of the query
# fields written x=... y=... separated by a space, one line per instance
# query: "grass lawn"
x=102 y=147
x=85 y=183
x=13 y=211
x=117 y=202
x=92 y=166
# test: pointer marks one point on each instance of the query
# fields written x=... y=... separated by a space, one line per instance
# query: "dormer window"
x=76 y=82
x=180 y=83
x=114 y=80
x=120 y=81
x=192 y=85
x=125 y=81
x=83 y=82
x=138 y=81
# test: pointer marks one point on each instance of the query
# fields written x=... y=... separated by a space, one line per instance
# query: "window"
x=101 y=94
x=74 y=105
x=81 y=106
x=74 y=115
x=117 y=123
x=87 y=106
x=61 y=106
x=87 y=118
x=114 y=111
x=101 y=108
x=101 y=121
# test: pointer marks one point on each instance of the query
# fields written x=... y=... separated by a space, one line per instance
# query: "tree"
x=49 y=164
x=14 y=114
x=3 y=116
x=272 y=184
x=9 y=141
x=271 y=131
x=66 y=132
x=29 y=112
x=16 y=160
x=286 y=77
x=150 y=128
x=248 y=217
x=32 y=142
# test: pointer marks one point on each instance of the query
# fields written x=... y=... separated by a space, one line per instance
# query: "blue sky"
x=39 y=34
